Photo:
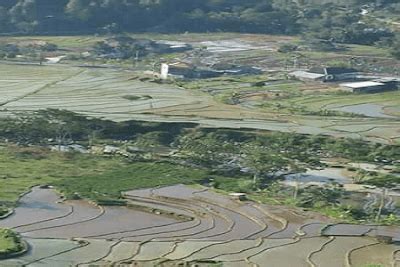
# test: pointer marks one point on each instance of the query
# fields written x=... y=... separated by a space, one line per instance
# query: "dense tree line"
x=338 y=20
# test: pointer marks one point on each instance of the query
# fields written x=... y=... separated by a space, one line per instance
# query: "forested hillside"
x=343 y=21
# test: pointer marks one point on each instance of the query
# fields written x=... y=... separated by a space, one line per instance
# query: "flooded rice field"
x=369 y=110
x=122 y=96
x=185 y=224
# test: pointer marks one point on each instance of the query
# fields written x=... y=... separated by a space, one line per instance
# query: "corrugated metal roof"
x=307 y=75
x=362 y=84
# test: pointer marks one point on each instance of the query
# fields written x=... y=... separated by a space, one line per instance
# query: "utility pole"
x=296 y=187
x=381 y=205
x=136 y=58
x=255 y=178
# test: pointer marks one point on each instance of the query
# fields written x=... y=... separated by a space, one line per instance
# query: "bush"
x=286 y=48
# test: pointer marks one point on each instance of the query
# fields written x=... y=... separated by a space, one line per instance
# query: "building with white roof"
x=367 y=87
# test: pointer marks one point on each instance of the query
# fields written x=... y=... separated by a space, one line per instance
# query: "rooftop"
x=308 y=75
x=362 y=84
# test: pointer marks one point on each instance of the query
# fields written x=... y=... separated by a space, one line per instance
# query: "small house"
x=329 y=74
x=238 y=196
x=368 y=87
x=306 y=76
x=183 y=70
x=332 y=74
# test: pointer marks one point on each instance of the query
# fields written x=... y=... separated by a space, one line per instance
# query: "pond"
x=319 y=176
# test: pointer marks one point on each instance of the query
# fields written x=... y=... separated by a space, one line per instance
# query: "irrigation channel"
x=189 y=224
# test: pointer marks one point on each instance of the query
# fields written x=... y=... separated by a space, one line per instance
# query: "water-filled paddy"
x=220 y=229
x=369 y=110
x=104 y=93
x=327 y=175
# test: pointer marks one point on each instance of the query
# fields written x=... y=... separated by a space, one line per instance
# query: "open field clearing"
x=222 y=230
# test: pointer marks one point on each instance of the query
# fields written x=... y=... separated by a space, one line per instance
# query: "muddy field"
x=187 y=224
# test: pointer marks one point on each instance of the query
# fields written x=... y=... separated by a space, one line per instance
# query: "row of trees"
x=226 y=151
x=268 y=156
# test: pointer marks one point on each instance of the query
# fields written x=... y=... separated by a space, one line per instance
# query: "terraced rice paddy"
x=184 y=224
x=119 y=95
x=370 y=110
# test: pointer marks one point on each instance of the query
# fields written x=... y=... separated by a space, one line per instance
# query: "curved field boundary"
x=9 y=213
x=182 y=252
x=262 y=241
x=390 y=204
x=255 y=220
x=213 y=226
x=100 y=258
x=338 y=224
x=156 y=201
x=110 y=250
x=145 y=228
x=372 y=201
x=214 y=250
x=151 y=206
x=273 y=217
x=135 y=230
x=348 y=262
x=172 y=249
x=18 y=200
x=301 y=228
x=248 y=259
x=236 y=212
x=161 y=232
x=29 y=224
x=48 y=85
x=179 y=201
x=122 y=261
x=173 y=244
x=165 y=232
x=169 y=231
x=137 y=252
x=309 y=257
x=396 y=258
x=102 y=212
x=80 y=245
x=216 y=214
x=194 y=203
x=47 y=220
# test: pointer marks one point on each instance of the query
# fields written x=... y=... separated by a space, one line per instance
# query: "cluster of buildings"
x=185 y=70
x=353 y=80
x=349 y=79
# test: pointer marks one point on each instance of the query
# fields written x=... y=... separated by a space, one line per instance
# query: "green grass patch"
x=88 y=176
x=126 y=176
x=9 y=243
